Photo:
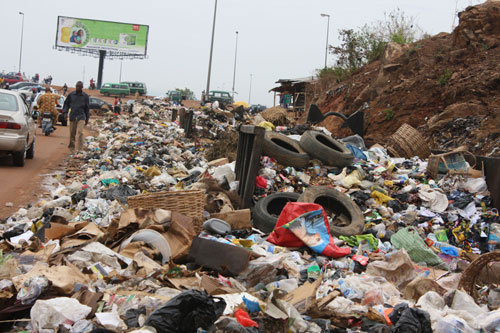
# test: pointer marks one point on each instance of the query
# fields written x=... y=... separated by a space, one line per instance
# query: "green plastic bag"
x=409 y=239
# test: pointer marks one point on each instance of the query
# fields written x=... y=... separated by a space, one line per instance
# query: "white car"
x=17 y=128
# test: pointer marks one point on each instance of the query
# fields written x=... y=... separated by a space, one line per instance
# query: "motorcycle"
x=47 y=122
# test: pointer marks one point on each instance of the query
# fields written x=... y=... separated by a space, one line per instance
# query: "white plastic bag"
x=49 y=314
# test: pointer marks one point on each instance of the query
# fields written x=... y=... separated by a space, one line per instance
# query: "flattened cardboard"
x=303 y=297
x=237 y=219
x=62 y=278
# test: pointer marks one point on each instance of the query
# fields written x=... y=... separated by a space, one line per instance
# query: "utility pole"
x=327 y=32
x=21 y=49
x=235 y=54
x=250 y=91
x=207 y=91
x=121 y=62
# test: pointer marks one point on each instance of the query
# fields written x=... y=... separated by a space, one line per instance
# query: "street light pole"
x=250 y=91
x=121 y=62
x=21 y=49
x=207 y=91
x=327 y=32
x=235 y=54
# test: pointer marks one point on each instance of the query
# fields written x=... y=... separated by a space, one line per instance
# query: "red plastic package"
x=261 y=182
x=303 y=223
x=244 y=319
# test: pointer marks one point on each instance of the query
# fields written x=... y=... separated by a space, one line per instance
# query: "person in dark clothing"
x=78 y=102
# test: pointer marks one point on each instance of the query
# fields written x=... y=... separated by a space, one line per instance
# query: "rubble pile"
x=144 y=233
x=446 y=77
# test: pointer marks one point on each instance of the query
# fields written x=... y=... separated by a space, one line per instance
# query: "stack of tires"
x=348 y=219
x=312 y=144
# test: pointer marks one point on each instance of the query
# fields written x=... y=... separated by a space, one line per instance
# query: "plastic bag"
x=51 y=313
x=452 y=323
x=187 y=312
x=418 y=251
x=302 y=223
x=244 y=319
x=120 y=193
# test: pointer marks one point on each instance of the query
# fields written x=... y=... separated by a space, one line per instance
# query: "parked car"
x=223 y=97
x=11 y=79
x=119 y=89
x=174 y=96
x=97 y=103
x=63 y=118
x=17 y=128
x=27 y=91
x=138 y=87
x=20 y=85
x=256 y=108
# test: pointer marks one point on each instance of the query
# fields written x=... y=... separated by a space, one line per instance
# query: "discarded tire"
x=348 y=219
x=267 y=210
x=285 y=150
x=326 y=149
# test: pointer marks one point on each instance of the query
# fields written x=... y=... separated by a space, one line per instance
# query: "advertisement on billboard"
x=77 y=33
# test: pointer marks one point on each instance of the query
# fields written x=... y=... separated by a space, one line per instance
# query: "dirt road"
x=21 y=185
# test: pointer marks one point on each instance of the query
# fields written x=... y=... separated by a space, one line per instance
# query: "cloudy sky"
x=277 y=39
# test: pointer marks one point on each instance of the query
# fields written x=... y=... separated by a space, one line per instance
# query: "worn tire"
x=265 y=211
x=350 y=220
x=285 y=150
x=30 y=153
x=19 y=158
x=326 y=149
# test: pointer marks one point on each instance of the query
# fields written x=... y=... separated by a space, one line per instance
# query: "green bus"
x=119 y=89
x=137 y=87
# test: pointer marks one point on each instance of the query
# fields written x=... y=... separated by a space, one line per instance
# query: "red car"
x=11 y=79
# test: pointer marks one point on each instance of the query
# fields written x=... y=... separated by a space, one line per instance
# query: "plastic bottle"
x=287 y=285
x=348 y=292
x=317 y=168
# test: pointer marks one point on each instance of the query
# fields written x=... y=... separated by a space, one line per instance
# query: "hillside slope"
x=447 y=86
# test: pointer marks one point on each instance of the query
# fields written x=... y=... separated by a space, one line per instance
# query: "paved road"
x=21 y=185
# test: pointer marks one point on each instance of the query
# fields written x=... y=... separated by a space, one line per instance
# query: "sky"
x=278 y=39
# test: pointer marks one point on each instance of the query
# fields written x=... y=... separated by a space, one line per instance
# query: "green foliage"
x=484 y=46
x=338 y=73
x=413 y=49
x=445 y=77
x=366 y=44
x=389 y=114
x=186 y=92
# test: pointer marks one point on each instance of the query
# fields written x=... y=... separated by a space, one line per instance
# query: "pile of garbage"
x=141 y=233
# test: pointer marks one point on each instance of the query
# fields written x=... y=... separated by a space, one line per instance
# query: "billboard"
x=94 y=35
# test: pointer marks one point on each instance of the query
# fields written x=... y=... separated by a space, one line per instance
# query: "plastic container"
x=217 y=226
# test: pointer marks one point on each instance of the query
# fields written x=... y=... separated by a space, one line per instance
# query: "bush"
x=445 y=77
x=389 y=114
x=366 y=44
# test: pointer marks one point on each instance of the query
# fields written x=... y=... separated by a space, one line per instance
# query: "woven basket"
x=470 y=275
x=408 y=142
x=189 y=203
x=435 y=161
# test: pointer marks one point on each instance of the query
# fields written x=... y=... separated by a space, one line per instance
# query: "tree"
x=188 y=93
x=366 y=44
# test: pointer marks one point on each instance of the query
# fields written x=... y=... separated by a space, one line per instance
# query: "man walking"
x=78 y=102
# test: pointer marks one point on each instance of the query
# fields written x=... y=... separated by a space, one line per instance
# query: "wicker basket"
x=470 y=276
x=408 y=142
x=189 y=203
x=435 y=161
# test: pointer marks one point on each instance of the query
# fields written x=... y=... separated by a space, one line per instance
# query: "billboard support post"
x=102 y=55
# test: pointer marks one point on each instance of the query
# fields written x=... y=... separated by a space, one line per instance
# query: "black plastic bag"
x=120 y=193
x=413 y=320
x=187 y=312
